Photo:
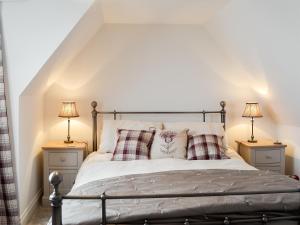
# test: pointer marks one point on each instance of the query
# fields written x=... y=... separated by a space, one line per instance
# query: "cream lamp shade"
x=252 y=110
x=68 y=110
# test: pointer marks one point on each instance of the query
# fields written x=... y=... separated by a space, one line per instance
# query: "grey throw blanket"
x=196 y=181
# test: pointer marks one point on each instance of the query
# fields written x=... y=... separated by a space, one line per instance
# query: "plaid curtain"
x=9 y=211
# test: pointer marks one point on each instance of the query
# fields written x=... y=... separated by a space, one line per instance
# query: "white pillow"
x=199 y=128
x=109 y=133
x=169 y=144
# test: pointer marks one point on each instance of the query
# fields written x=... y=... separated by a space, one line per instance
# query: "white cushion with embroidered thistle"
x=169 y=144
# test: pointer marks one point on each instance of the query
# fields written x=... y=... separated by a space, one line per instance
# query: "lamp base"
x=252 y=141
x=69 y=142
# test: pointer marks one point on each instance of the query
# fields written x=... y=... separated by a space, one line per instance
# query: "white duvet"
x=98 y=166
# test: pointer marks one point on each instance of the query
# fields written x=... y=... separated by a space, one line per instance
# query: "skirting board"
x=28 y=212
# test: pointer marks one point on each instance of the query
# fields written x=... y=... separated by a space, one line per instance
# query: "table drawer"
x=63 y=159
x=268 y=156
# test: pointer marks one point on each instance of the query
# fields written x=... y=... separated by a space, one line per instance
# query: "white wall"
x=263 y=38
x=31 y=34
x=152 y=67
x=290 y=136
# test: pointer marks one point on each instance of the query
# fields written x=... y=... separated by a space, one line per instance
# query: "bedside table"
x=65 y=158
x=263 y=155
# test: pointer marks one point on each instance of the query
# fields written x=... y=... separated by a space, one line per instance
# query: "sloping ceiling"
x=263 y=37
x=73 y=43
x=32 y=34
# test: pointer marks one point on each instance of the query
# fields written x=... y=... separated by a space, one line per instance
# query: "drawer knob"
x=268 y=157
x=62 y=159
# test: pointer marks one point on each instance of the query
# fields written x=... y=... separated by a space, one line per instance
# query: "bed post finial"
x=223 y=104
x=94 y=115
x=55 y=198
x=94 y=104
x=223 y=113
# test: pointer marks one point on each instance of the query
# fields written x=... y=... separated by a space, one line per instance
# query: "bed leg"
x=55 y=198
x=103 y=200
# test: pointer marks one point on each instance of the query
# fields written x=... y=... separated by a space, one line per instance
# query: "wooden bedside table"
x=263 y=155
x=65 y=158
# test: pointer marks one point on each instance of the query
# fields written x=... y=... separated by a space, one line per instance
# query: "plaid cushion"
x=205 y=147
x=133 y=145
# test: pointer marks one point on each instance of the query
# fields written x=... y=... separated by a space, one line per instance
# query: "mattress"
x=98 y=166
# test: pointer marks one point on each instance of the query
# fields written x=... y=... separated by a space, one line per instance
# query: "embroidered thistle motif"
x=168 y=138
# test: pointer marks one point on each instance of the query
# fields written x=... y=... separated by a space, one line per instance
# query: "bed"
x=174 y=191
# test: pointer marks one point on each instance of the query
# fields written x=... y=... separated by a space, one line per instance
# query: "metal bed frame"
x=56 y=199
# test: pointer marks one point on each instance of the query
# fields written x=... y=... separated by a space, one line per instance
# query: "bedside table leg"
x=55 y=198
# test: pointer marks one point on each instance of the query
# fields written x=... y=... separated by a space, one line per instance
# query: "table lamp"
x=252 y=111
x=68 y=110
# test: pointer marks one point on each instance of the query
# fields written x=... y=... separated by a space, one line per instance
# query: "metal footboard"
x=56 y=200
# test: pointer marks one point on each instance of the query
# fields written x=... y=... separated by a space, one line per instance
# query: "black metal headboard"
x=95 y=113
